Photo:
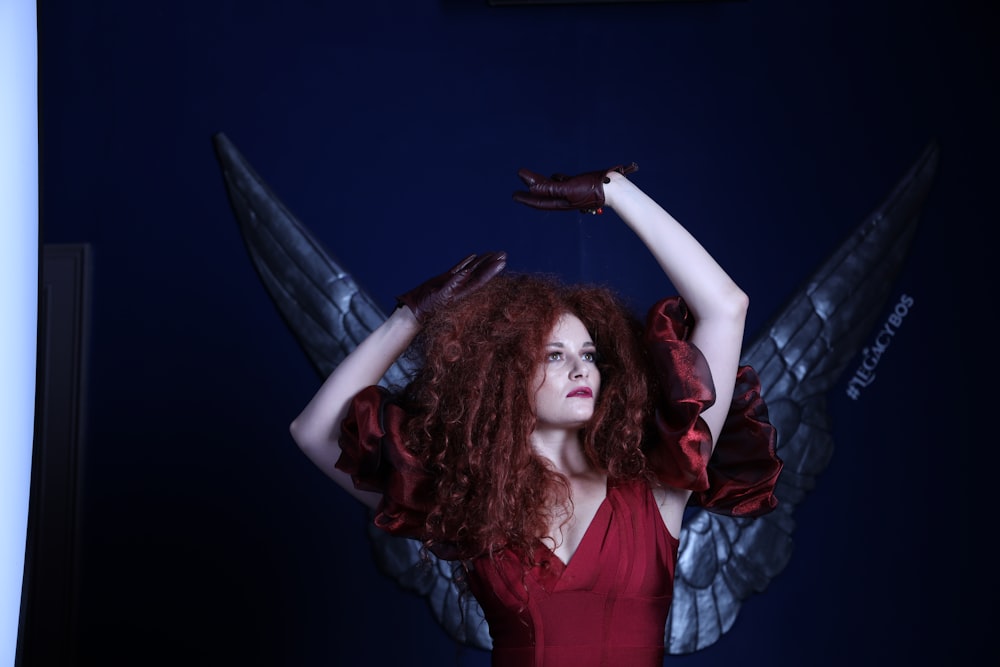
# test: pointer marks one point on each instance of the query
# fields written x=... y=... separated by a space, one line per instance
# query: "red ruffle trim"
x=740 y=476
x=373 y=455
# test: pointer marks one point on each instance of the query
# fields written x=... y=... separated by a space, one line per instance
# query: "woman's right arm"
x=317 y=428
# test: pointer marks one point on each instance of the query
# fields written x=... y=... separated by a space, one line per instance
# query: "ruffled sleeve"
x=374 y=456
x=740 y=476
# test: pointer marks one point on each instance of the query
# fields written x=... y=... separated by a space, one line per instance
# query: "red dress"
x=609 y=604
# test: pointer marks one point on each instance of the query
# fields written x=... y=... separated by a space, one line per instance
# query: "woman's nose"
x=580 y=370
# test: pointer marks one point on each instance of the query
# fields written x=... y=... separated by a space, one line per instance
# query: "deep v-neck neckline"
x=565 y=564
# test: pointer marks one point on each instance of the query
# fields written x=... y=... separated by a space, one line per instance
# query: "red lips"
x=584 y=392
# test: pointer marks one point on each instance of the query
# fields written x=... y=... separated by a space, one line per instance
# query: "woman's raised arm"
x=317 y=428
x=718 y=305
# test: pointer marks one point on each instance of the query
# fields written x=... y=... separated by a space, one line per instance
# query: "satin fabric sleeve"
x=739 y=478
x=373 y=454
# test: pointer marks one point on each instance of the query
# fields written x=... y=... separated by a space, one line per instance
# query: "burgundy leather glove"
x=583 y=192
x=467 y=276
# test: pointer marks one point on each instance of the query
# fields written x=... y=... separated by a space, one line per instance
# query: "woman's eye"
x=554 y=356
x=590 y=356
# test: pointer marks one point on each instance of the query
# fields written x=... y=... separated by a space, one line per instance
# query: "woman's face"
x=567 y=380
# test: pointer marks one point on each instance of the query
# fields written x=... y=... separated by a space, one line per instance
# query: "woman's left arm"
x=717 y=303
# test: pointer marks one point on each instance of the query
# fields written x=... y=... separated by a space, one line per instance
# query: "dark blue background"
x=393 y=130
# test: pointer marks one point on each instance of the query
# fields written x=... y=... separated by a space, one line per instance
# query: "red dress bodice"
x=607 y=606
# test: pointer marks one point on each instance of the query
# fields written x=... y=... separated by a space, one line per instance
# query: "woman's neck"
x=563 y=449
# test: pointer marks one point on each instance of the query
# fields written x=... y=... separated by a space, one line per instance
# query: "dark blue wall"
x=393 y=130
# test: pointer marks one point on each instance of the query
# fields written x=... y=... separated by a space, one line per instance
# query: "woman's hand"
x=464 y=278
x=583 y=192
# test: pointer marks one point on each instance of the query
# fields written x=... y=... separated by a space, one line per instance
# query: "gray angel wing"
x=324 y=307
x=799 y=356
x=330 y=314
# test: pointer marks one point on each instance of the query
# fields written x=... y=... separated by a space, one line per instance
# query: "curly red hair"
x=472 y=407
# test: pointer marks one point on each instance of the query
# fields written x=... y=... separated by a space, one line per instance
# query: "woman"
x=551 y=444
